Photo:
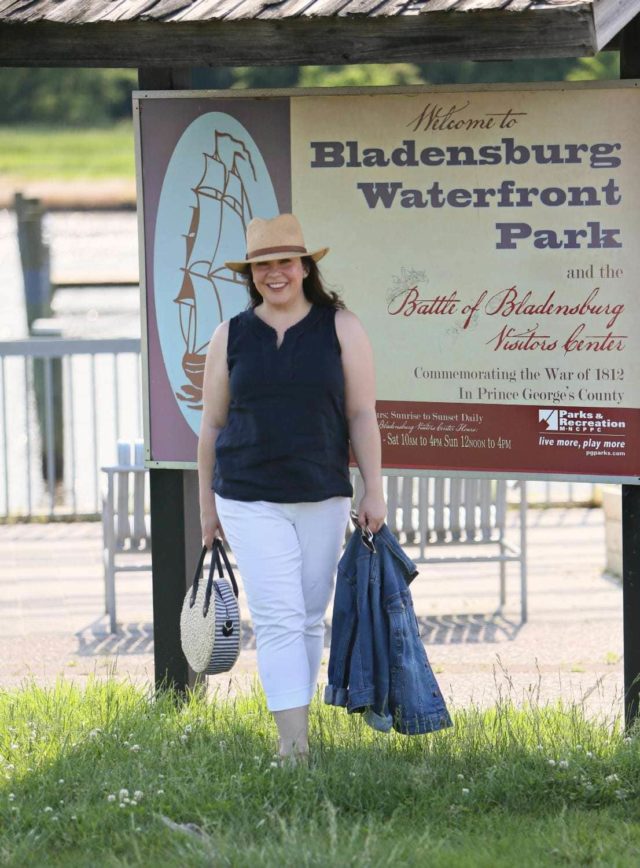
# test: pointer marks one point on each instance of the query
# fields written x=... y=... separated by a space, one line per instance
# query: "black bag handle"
x=218 y=555
x=220 y=552
x=196 y=578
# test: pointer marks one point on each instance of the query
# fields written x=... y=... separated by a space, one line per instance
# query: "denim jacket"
x=378 y=664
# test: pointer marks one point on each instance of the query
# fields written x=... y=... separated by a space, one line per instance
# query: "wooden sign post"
x=630 y=68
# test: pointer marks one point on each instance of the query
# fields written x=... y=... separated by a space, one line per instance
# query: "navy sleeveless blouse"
x=286 y=437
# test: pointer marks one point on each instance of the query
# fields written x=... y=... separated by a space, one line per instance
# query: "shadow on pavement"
x=132 y=638
x=469 y=629
x=137 y=637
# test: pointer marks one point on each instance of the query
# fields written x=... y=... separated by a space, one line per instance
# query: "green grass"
x=35 y=153
x=541 y=786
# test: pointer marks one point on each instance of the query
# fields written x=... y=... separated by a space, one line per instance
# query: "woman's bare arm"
x=215 y=392
x=360 y=390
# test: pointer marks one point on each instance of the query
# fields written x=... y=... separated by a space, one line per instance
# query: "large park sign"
x=488 y=239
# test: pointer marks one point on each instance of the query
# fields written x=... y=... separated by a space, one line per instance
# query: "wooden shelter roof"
x=270 y=32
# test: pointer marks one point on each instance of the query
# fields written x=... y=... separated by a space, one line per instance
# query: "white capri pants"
x=287 y=555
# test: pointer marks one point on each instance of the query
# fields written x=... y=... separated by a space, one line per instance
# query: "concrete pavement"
x=52 y=622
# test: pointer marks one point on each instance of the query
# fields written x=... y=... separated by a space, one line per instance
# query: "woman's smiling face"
x=279 y=281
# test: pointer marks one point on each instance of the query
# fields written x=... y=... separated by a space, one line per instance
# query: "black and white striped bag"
x=210 y=619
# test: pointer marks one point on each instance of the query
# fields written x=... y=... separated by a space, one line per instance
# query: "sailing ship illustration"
x=216 y=233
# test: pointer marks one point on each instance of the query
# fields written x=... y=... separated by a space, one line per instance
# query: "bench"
x=459 y=520
x=125 y=525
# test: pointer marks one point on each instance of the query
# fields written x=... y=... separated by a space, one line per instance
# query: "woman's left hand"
x=372 y=511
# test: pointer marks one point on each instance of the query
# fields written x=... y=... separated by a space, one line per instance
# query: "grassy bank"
x=108 y=776
x=39 y=153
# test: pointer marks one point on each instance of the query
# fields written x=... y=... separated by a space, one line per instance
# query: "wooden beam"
x=610 y=17
x=550 y=32
x=164 y=78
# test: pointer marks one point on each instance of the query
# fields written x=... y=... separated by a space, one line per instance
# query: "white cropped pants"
x=287 y=555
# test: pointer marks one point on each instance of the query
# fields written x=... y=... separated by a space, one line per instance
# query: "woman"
x=288 y=385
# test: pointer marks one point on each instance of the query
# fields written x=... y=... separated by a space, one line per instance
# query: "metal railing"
x=64 y=404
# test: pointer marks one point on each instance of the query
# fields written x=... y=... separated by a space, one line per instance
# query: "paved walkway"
x=51 y=621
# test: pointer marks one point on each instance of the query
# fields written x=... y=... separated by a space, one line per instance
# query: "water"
x=95 y=247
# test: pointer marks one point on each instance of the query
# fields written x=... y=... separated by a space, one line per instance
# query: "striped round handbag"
x=210 y=619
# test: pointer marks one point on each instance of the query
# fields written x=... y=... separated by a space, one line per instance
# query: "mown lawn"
x=34 y=153
x=109 y=776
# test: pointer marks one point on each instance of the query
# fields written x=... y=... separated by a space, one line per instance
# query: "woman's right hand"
x=211 y=527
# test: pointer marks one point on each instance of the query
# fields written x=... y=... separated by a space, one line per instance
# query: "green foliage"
x=360 y=75
x=265 y=76
x=89 y=97
x=111 y=775
x=488 y=72
x=66 y=97
x=604 y=66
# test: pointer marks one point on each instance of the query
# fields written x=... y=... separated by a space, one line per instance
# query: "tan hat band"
x=287 y=248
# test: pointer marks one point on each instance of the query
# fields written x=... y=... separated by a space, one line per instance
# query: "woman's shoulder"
x=347 y=323
x=228 y=326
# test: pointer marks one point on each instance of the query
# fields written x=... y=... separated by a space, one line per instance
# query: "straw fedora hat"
x=278 y=238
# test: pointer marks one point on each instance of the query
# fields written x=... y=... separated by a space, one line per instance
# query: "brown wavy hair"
x=312 y=286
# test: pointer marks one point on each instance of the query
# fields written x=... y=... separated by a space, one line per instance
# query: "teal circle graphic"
x=216 y=181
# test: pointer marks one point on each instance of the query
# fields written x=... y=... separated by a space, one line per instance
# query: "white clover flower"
x=184 y=738
x=551 y=762
x=61 y=781
x=589 y=754
x=11 y=767
x=127 y=801
x=160 y=793
x=133 y=803
x=138 y=828
x=61 y=802
x=48 y=810
x=12 y=797
x=73 y=817
x=564 y=764
x=188 y=728
x=138 y=794
x=161 y=777
x=578 y=747
x=122 y=805
x=460 y=777
x=612 y=779
x=273 y=765
x=539 y=747
x=125 y=744
x=134 y=748
x=55 y=818
x=15 y=746
x=111 y=797
x=123 y=793
x=465 y=791
x=352 y=774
